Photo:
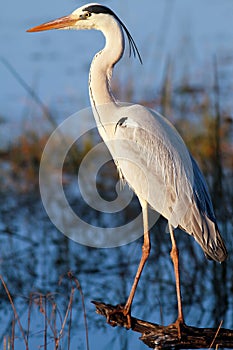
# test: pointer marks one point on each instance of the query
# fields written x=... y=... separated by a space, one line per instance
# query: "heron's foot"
x=179 y=324
x=119 y=316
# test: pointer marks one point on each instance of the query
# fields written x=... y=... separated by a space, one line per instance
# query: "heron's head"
x=89 y=16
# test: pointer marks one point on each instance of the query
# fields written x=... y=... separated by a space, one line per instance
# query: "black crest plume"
x=104 y=9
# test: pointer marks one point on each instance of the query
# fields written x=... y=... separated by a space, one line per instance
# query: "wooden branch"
x=166 y=337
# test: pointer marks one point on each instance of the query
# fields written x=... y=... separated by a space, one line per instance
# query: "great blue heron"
x=149 y=153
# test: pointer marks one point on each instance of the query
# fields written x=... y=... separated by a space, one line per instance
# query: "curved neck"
x=103 y=63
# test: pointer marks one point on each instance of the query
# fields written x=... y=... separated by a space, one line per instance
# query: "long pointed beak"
x=65 y=22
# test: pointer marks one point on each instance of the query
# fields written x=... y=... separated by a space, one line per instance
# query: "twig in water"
x=78 y=286
x=12 y=340
x=66 y=315
x=29 y=315
x=45 y=323
x=48 y=322
x=219 y=327
x=69 y=328
x=15 y=312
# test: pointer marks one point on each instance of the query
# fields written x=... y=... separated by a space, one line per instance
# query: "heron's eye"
x=87 y=14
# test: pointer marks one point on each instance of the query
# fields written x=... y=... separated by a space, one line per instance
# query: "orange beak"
x=65 y=22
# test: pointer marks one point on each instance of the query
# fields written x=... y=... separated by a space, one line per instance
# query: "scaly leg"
x=145 y=255
x=175 y=259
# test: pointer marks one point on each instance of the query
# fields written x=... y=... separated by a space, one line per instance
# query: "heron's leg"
x=145 y=255
x=175 y=259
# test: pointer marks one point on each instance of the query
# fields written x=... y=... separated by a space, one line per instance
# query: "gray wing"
x=155 y=162
x=205 y=230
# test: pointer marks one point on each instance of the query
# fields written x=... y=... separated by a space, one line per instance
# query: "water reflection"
x=34 y=255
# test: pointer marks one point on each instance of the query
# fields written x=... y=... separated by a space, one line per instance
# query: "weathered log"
x=166 y=337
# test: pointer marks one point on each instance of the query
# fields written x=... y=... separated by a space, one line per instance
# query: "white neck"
x=103 y=63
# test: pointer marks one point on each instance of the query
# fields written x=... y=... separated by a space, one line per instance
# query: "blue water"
x=34 y=256
x=55 y=64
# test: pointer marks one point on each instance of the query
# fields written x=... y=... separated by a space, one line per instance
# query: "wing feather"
x=155 y=162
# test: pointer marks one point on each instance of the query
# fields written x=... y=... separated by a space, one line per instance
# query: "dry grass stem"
x=15 y=312
x=219 y=327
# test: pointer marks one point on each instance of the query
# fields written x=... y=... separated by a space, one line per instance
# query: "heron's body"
x=163 y=175
x=153 y=159
x=149 y=153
